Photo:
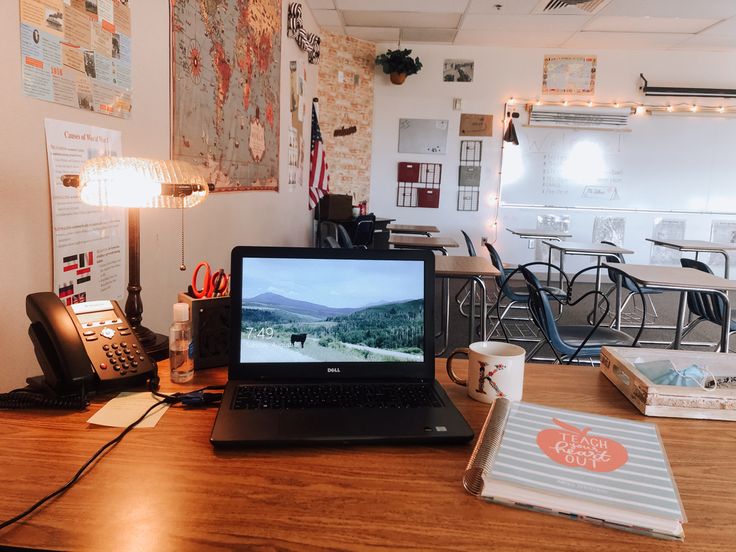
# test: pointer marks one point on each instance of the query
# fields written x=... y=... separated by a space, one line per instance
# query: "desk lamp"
x=134 y=183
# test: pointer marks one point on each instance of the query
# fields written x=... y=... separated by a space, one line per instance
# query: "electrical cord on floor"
x=193 y=398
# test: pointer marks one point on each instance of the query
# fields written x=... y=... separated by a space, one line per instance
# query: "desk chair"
x=569 y=341
x=334 y=236
x=362 y=236
x=516 y=296
x=705 y=306
x=629 y=286
x=463 y=294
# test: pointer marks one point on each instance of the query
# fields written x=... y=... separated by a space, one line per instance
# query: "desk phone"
x=85 y=346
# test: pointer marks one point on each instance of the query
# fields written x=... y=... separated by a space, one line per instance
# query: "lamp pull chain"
x=182 y=266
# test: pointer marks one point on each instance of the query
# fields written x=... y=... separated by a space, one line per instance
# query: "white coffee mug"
x=495 y=369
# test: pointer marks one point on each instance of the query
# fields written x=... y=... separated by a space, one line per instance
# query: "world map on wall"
x=225 y=85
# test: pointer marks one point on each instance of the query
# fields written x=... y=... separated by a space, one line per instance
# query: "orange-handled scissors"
x=214 y=283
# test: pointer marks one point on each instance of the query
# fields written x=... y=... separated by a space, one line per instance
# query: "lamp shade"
x=140 y=182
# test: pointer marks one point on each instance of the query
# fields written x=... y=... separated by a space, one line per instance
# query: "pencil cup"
x=495 y=369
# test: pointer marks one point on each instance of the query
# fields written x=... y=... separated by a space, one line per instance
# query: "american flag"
x=319 y=178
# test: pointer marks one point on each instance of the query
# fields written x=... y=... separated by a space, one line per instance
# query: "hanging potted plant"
x=398 y=64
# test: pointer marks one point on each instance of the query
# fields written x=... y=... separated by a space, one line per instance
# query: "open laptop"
x=333 y=346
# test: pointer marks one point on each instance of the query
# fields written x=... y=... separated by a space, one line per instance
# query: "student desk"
x=166 y=489
x=437 y=243
x=422 y=230
x=463 y=267
x=698 y=246
x=675 y=278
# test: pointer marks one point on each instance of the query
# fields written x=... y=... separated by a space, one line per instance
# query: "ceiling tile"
x=717 y=9
x=327 y=17
x=648 y=24
x=334 y=29
x=321 y=4
x=374 y=34
x=724 y=28
x=435 y=36
x=508 y=7
x=493 y=22
x=708 y=42
x=426 y=6
x=624 y=41
x=401 y=19
x=517 y=39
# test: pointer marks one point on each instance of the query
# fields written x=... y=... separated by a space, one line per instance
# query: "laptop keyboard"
x=335 y=395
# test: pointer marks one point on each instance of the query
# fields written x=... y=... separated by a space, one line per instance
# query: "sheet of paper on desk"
x=126 y=408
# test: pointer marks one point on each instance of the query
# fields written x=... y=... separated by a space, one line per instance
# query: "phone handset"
x=57 y=344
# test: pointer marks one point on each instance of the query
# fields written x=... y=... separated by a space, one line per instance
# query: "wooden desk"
x=698 y=246
x=675 y=278
x=464 y=268
x=437 y=243
x=539 y=234
x=413 y=229
x=167 y=489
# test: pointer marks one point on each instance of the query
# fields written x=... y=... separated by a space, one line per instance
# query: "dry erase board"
x=665 y=163
x=423 y=136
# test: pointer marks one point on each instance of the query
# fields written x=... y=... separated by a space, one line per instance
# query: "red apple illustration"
x=577 y=448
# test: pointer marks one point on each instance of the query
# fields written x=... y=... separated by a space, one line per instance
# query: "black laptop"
x=333 y=346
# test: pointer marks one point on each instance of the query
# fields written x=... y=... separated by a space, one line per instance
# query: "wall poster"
x=569 y=75
x=77 y=53
x=89 y=243
x=225 y=68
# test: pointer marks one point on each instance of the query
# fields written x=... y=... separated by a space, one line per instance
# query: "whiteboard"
x=664 y=163
x=423 y=135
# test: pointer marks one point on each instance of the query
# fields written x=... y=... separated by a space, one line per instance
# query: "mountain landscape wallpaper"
x=335 y=317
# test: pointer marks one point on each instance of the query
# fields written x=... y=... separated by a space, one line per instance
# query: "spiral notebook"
x=595 y=468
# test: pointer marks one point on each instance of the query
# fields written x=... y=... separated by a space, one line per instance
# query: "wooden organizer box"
x=672 y=401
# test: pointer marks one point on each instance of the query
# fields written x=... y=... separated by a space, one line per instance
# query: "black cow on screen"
x=298 y=338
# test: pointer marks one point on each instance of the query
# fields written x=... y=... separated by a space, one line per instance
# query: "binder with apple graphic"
x=596 y=468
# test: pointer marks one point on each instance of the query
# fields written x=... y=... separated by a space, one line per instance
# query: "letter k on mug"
x=495 y=369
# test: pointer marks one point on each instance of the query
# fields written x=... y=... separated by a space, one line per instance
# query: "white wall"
x=224 y=220
x=501 y=74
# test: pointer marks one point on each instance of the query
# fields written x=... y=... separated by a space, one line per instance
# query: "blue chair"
x=570 y=341
x=628 y=285
x=463 y=293
x=706 y=306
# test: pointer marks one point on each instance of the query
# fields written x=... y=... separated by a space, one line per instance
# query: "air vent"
x=573 y=6
x=579 y=117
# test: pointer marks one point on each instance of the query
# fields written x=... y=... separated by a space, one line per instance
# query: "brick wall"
x=345 y=91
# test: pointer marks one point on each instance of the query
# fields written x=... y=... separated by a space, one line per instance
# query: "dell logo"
x=333 y=370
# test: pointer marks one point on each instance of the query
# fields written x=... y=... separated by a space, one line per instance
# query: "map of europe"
x=225 y=84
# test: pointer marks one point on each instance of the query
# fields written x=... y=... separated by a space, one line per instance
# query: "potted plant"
x=398 y=64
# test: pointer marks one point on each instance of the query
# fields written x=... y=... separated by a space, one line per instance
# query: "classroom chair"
x=706 y=306
x=570 y=341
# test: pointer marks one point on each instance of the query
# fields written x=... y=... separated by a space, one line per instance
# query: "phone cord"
x=21 y=398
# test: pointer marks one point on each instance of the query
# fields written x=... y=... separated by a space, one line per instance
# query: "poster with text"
x=88 y=241
x=77 y=53
x=569 y=75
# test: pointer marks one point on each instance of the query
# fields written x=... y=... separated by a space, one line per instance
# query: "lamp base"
x=156 y=345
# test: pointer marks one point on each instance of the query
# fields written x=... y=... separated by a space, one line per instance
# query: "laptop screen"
x=337 y=308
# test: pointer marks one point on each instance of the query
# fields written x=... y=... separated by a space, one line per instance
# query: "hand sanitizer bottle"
x=180 y=345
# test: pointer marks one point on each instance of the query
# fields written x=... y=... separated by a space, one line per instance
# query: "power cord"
x=193 y=398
